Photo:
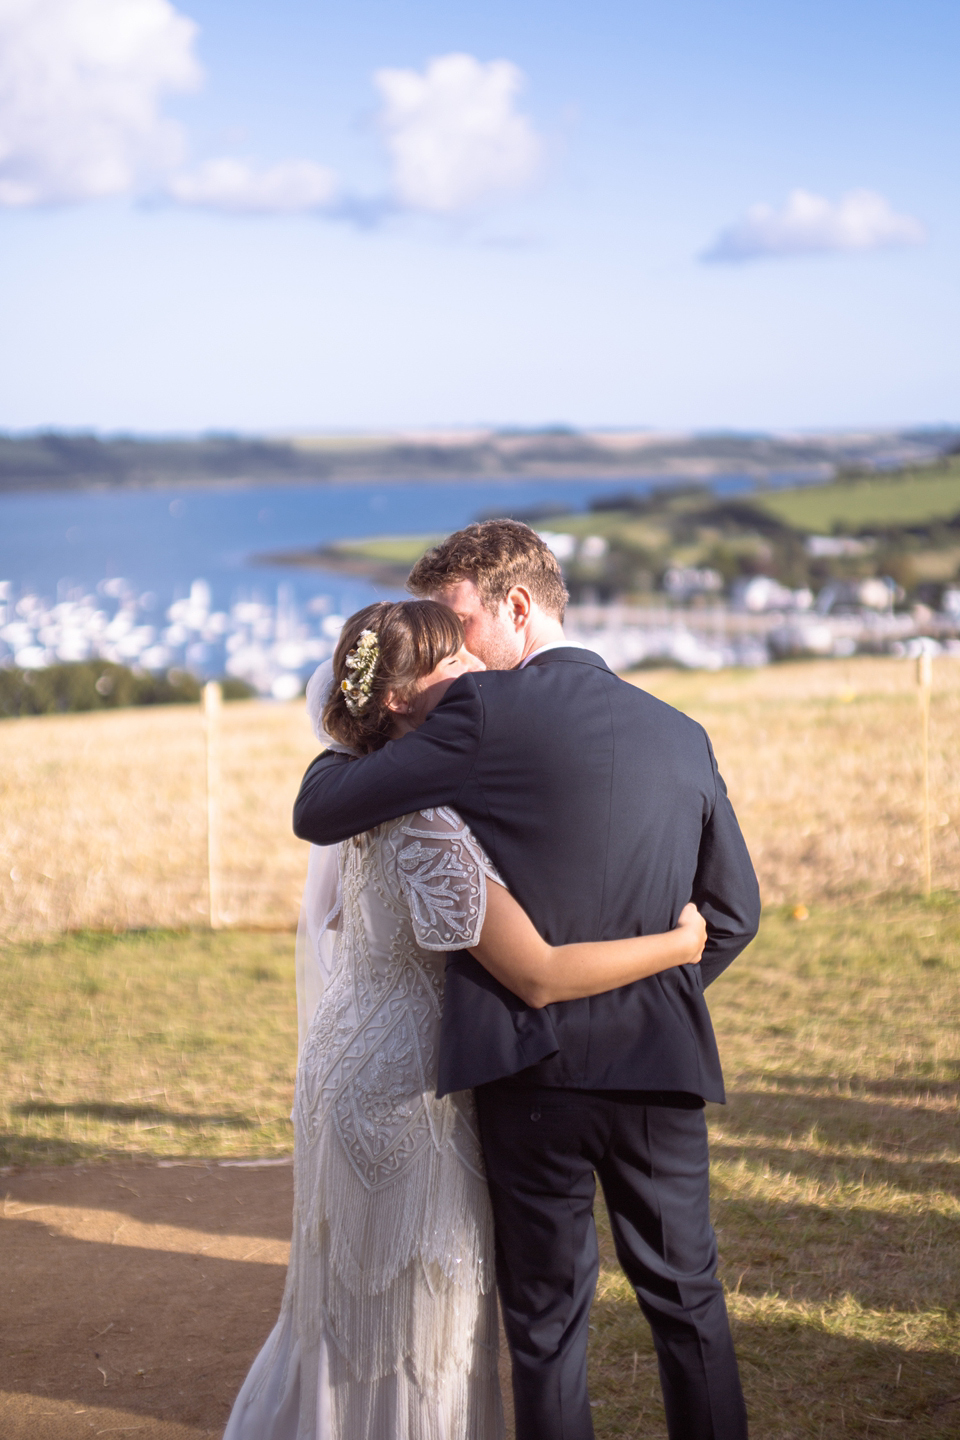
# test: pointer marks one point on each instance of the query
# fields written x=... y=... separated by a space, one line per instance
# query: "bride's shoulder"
x=422 y=838
x=438 y=821
x=430 y=827
x=423 y=835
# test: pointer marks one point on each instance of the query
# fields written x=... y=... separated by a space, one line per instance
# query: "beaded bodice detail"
x=411 y=891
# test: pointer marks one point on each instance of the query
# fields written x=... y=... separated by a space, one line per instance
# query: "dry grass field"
x=102 y=817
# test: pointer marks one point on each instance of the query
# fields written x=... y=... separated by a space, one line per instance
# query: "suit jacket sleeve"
x=340 y=796
x=725 y=889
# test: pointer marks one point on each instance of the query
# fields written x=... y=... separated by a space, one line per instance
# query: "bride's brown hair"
x=413 y=636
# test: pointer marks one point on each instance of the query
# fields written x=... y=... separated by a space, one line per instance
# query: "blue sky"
x=373 y=215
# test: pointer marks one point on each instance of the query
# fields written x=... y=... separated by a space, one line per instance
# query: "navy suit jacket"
x=604 y=811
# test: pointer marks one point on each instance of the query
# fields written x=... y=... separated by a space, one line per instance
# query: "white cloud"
x=290 y=187
x=454 y=133
x=81 y=82
x=82 y=87
x=808 y=224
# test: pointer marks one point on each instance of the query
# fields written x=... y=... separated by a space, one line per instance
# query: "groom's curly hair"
x=413 y=636
x=495 y=555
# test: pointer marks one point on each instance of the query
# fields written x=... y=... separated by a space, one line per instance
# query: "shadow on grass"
x=829 y=1385
x=824 y=1254
x=30 y=1150
x=844 y=1123
x=900 y=1087
x=802 y=1381
x=918 y=1177
x=129 y=1114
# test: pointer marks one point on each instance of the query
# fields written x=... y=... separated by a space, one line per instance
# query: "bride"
x=388 y=1328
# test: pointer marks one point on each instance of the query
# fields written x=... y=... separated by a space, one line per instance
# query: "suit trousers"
x=543 y=1148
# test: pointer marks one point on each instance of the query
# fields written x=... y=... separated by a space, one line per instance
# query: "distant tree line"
x=99 y=685
x=54 y=459
x=51 y=459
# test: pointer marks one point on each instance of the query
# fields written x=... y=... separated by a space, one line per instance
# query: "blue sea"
x=160 y=540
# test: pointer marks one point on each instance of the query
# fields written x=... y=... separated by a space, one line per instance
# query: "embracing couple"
x=525 y=871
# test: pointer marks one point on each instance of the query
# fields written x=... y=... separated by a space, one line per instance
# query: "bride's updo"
x=410 y=638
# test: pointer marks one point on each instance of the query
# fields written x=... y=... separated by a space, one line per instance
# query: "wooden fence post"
x=924 y=686
x=212 y=702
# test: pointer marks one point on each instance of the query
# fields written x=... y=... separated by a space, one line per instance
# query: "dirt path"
x=134 y=1297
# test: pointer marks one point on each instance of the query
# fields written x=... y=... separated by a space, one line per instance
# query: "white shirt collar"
x=553 y=645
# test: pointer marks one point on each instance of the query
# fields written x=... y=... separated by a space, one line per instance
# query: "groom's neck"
x=542 y=630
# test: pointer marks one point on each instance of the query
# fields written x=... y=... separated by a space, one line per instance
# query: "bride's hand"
x=695 y=928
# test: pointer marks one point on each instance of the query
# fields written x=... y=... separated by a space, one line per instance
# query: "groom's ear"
x=519 y=603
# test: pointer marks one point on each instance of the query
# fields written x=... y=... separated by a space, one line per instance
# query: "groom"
x=604 y=811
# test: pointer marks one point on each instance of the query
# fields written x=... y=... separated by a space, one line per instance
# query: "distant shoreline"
x=681 y=475
x=374 y=477
x=61 y=462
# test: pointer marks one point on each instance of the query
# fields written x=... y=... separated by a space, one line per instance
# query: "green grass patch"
x=387 y=549
x=907 y=497
x=835 y=1182
x=152 y=1044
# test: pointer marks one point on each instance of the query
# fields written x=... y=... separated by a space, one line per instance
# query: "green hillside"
x=902 y=498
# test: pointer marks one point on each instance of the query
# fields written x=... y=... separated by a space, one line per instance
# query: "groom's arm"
x=340 y=796
x=725 y=889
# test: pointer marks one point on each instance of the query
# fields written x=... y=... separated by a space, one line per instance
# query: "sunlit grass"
x=158 y=1044
x=823 y=764
x=103 y=819
x=835 y=1181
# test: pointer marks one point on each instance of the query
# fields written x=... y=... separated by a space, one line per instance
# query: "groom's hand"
x=691 y=921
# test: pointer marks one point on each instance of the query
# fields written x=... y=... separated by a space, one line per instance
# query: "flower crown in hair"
x=362 y=665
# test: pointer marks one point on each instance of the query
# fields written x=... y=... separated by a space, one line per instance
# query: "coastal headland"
x=674 y=537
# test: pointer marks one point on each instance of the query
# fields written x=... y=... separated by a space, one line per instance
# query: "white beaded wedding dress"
x=388 y=1329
